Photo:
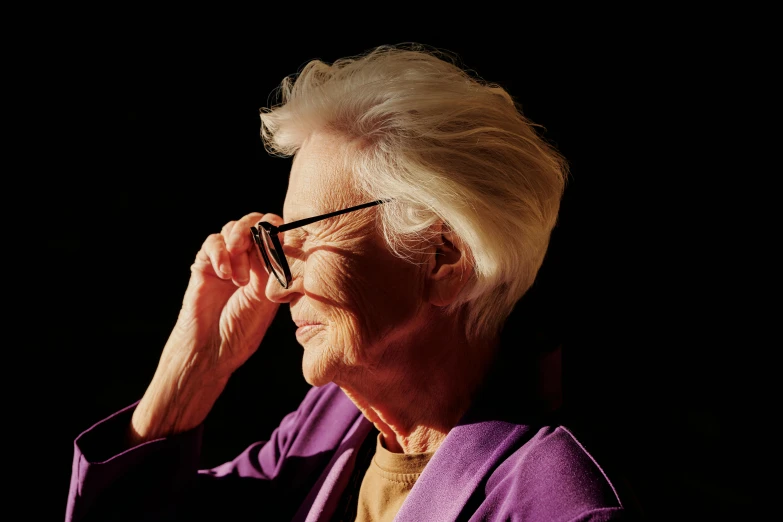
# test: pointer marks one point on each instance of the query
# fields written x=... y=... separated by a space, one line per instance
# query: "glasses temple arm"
x=307 y=221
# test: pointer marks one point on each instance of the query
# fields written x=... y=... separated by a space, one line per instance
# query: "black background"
x=146 y=141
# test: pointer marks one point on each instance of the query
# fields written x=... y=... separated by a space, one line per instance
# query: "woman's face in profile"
x=363 y=301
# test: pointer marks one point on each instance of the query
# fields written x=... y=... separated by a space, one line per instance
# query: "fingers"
x=231 y=254
x=237 y=233
x=215 y=257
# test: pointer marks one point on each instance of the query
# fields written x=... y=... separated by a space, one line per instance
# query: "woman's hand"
x=224 y=313
x=223 y=319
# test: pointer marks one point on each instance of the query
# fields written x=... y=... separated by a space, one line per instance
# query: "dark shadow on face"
x=302 y=255
x=353 y=260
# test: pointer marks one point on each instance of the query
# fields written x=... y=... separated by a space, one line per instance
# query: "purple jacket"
x=486 y=469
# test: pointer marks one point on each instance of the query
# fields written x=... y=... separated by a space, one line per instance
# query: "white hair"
x=447 y=147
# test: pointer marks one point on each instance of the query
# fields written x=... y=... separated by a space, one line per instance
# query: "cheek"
x=333 y=289
x=363 y=296
x=328 y=280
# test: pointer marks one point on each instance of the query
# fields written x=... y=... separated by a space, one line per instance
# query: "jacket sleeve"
x=160 y=480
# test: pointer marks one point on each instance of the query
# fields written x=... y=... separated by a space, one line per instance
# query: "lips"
x=307 y=331
x=304 y=322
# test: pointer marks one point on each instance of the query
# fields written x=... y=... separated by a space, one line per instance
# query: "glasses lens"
x=275 y=258
x=260 y=248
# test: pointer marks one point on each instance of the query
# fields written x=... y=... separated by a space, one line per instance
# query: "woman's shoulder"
x=498 y=469
x=553 y=470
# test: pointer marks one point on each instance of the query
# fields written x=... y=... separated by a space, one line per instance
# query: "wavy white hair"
x=448 y=147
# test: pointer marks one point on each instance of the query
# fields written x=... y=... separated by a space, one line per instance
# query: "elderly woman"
x=419 y=208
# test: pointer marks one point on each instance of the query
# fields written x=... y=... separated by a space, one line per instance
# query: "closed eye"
x=295 y=237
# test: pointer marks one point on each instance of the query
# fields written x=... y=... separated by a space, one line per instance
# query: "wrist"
x=178 y=399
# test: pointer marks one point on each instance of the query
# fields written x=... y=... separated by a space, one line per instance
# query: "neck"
x=421 y=388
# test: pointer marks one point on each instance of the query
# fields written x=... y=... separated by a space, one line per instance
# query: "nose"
x=277 y=294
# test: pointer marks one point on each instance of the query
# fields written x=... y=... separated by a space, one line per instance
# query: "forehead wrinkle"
x=320 y=180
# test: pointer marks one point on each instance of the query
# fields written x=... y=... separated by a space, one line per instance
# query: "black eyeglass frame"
x=272 y=231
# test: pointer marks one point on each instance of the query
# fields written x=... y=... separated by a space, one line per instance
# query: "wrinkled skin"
x=371 y=322
x=366 y=302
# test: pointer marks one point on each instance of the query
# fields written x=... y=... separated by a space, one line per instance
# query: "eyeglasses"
x=270 y=249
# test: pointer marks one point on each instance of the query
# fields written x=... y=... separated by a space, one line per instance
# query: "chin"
x=317 y=368
x=313 y=379
x=316 y=379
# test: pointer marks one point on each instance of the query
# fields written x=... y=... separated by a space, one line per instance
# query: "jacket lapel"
x=467 y=456
x=324 y=497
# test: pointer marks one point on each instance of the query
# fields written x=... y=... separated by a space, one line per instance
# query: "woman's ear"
x=449 y=270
